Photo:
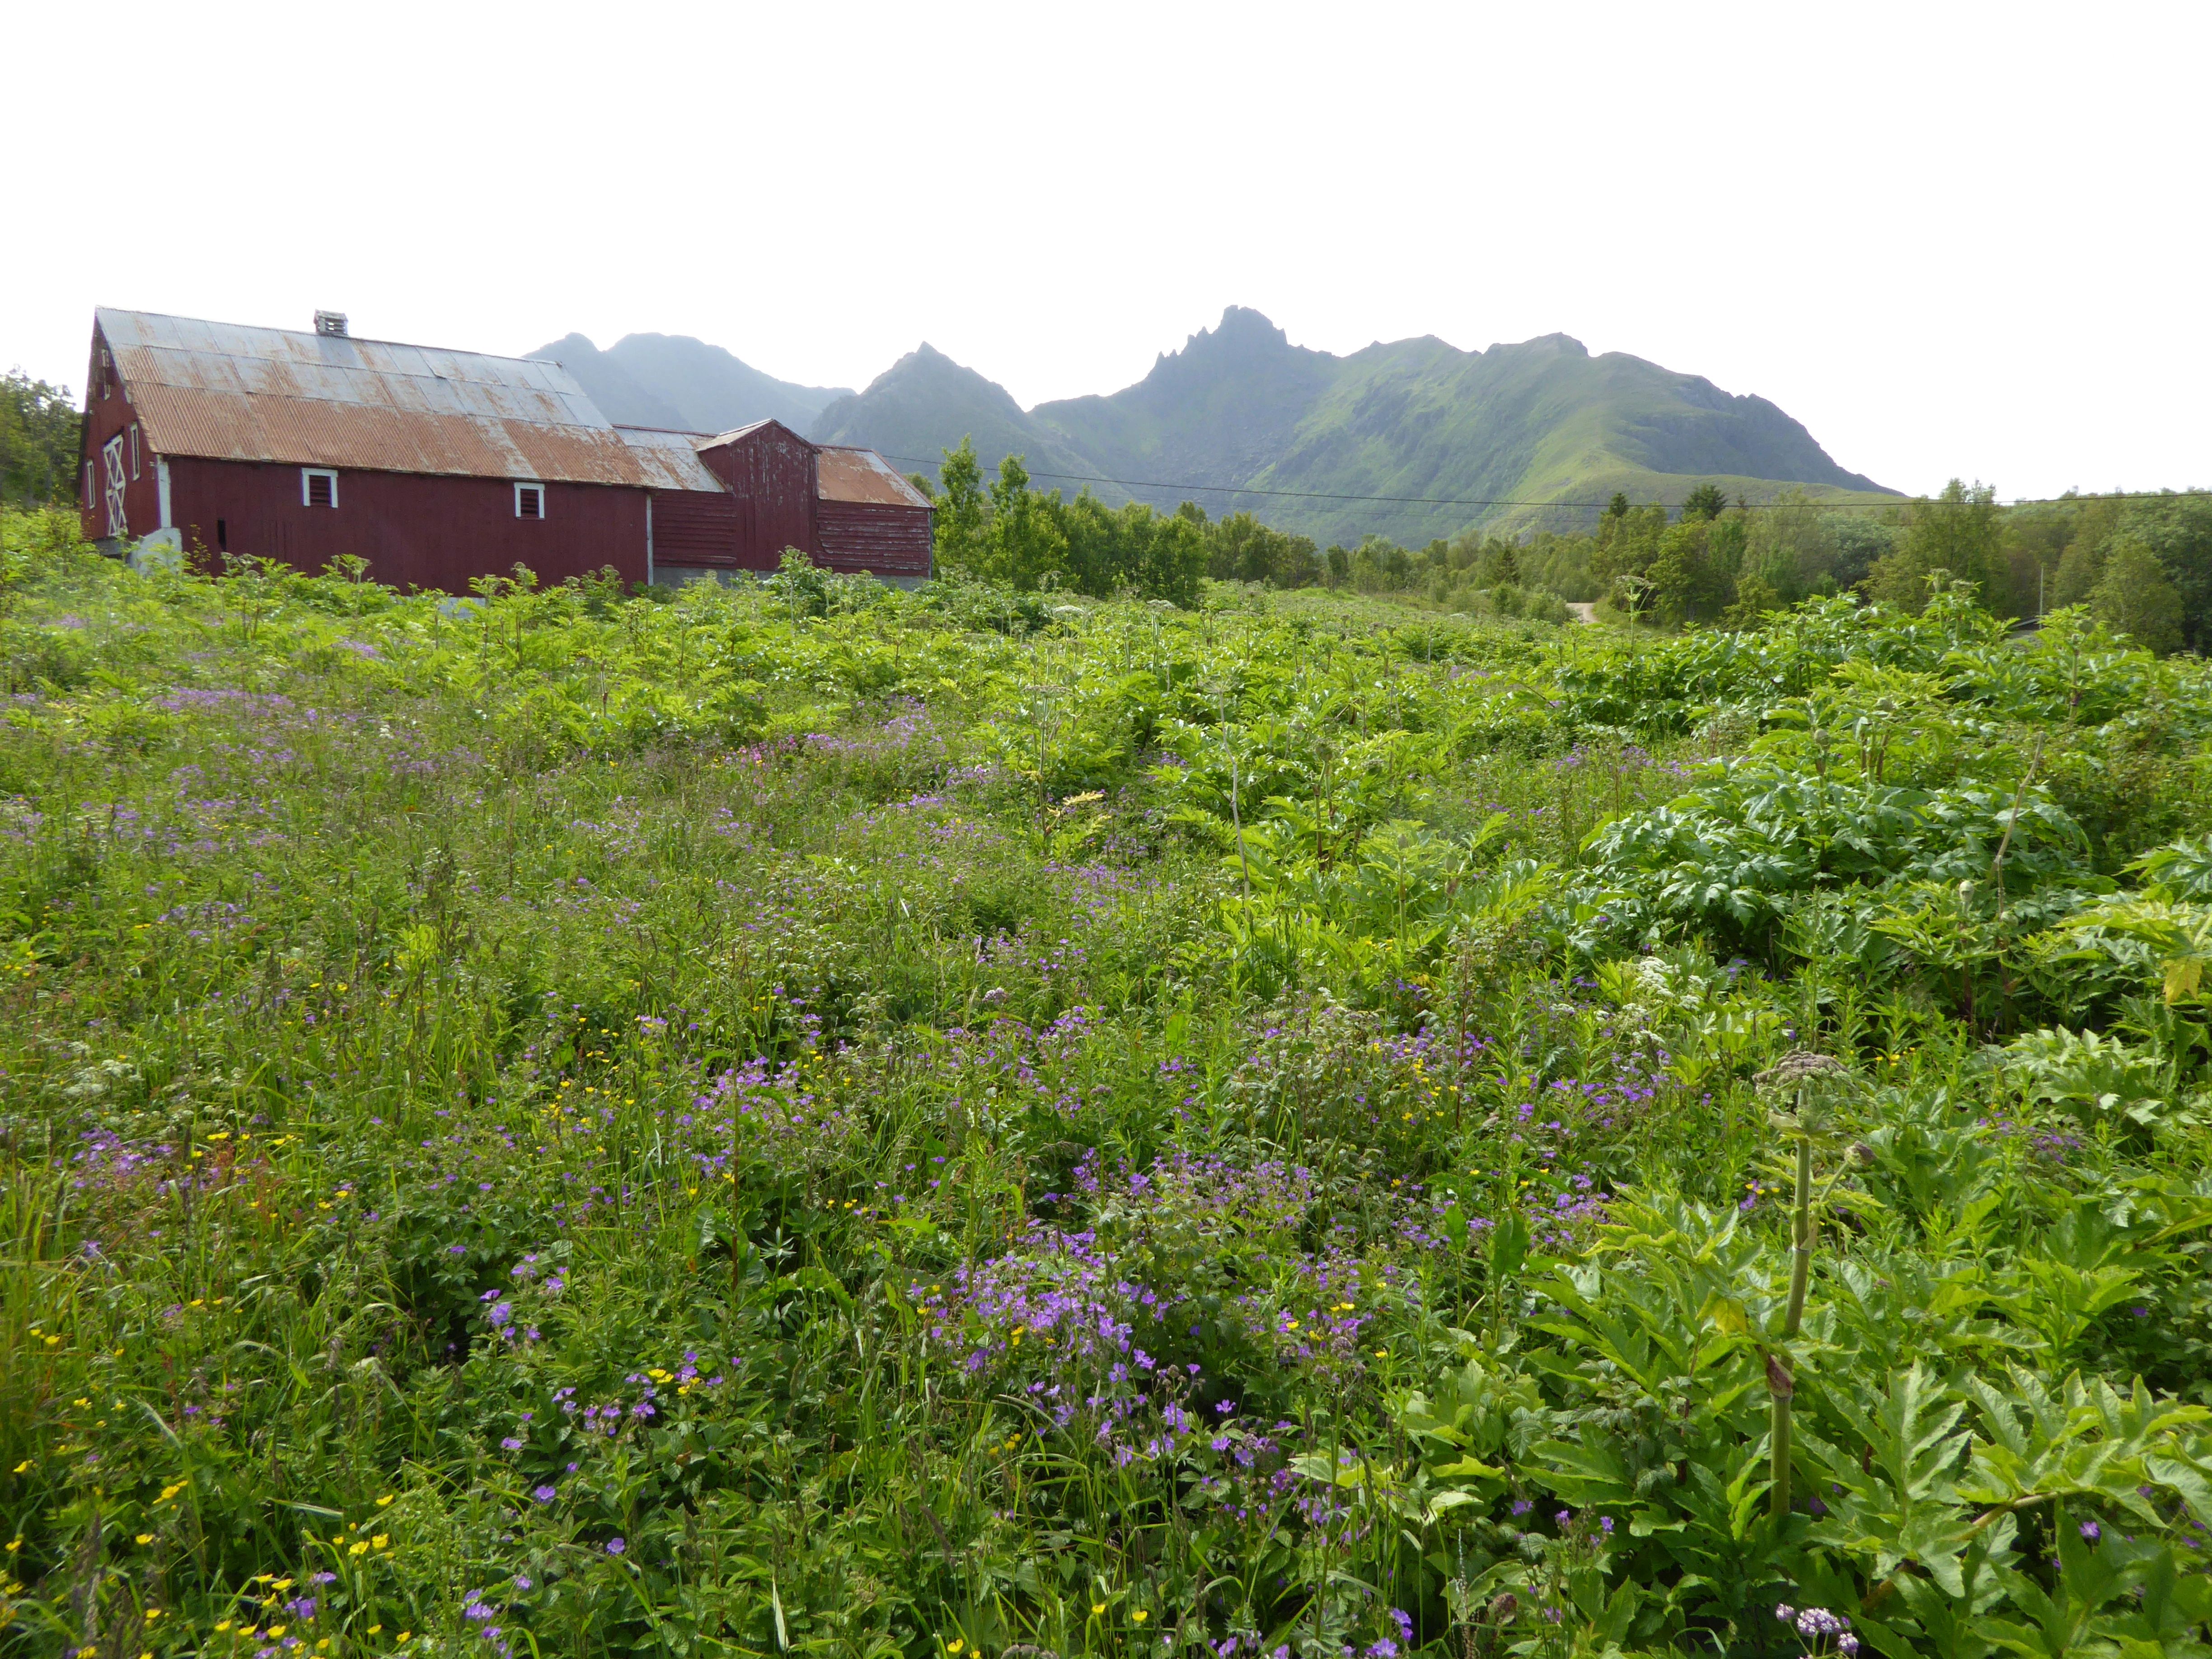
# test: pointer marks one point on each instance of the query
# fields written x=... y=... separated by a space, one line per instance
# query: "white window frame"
x=308 y=472
x=134 y=452
x=522 y=484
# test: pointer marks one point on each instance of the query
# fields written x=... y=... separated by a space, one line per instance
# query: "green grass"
x=812 y=1119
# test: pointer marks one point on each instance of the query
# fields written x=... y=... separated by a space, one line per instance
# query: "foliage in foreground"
x=808 y=1119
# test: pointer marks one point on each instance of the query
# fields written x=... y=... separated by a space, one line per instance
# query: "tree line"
x=2141 y=564
x=1006 y=531
x=40 y=437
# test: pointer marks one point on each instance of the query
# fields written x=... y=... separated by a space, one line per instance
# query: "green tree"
x=2091 y=522
x=40 y=436
x=960 y=511
x=1959 y=532
x=1727 y=541
x=1627 y=542
x=1707 y=500
x=1239 y=548
x=2134 y=598
x=1171 y=557
x=1685 y=588
x=2177 y=528
x=1097 y=562
x=1025 y=541
x=2081 y=567
x=1500 y=563
x=1755 y=599
x=1379 y=565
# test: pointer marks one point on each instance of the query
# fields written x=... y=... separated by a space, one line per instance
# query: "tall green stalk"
x=1801 y=1073
x=1780 y=1382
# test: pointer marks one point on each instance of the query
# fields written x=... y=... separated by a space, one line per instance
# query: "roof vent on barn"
x=331 y=323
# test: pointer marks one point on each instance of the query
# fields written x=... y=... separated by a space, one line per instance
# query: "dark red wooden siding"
x=769 y=469
x=415 y=530
x=108 y=416
x=691 y=527
x=892 y=541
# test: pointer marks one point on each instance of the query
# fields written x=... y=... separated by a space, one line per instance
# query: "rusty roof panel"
x=265 y=394
x=670 y=460
x=861 y=475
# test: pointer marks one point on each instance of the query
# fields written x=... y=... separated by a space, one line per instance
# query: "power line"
x=1436 y=501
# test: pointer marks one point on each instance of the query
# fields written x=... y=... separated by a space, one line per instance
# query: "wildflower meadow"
x=803 y=1118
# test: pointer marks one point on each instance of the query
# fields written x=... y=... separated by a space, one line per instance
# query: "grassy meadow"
x=802 y=1118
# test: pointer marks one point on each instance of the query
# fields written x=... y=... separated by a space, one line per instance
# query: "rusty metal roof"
x=231 y=392
x=861 y=475
x=670 y=460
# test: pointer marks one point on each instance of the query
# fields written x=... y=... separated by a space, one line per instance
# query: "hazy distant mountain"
x=908 y=411
x=673 y=381
x=1239 y=409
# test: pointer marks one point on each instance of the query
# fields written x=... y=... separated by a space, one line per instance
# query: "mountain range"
x=1413 y=439
x=674 y=381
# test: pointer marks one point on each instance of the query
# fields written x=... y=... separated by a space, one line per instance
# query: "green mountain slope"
x=924 y=403
x=674 y=380
x=1542 y=420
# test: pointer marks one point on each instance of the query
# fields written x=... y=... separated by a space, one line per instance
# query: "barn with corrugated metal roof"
x=438 y=467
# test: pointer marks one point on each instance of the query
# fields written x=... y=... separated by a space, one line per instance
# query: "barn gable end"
x=769 y=469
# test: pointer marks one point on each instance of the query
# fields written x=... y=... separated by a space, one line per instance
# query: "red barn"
x=868 y=517
x=439 y=466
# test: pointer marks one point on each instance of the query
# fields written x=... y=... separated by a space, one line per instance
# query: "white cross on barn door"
x=111 y=455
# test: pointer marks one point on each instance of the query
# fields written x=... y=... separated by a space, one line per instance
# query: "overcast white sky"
x=1950 y=239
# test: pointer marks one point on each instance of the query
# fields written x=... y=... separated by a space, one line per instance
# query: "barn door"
x=110 y=455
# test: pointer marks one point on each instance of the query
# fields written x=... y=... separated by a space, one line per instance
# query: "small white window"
x=529 y=501
x=88 y=485
x=318 y=487
x=134 y=449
